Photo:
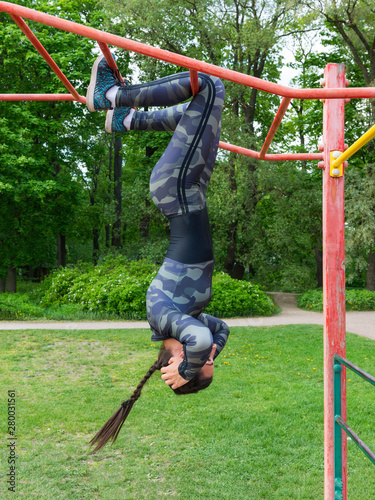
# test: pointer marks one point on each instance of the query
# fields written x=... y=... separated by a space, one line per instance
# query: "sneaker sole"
x=91 y=87
x=108 y=121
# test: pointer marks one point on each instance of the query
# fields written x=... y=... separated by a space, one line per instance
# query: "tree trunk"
x=95 y=256
x=61 y=250
x=319 y=265
x=107 y=235
x=233 y=268
x=117 y=172
x=370 y=280
x=11 y=285
x=2 y=285
x=144 y=225
x=110 y=161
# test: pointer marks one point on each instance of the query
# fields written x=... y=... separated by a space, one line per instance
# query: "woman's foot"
x=102 y=80
x=119 y=119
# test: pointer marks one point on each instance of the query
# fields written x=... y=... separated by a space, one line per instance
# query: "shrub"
x=233 y=298
x=57 y=285
x=356 y=300
x=119 y=287
x=312 y=300
x=16 y=306
x=360 y=300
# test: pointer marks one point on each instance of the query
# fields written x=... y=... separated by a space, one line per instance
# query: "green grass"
x=23 y=306
x=256 y=433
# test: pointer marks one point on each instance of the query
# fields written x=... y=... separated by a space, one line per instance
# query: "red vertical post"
x=194 y=81
x=334 y=272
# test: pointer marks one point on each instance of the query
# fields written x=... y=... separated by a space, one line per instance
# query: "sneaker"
x=102 y=79
x=114 y=121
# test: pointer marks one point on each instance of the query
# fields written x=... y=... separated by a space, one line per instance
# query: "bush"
x=356 y=300
x=16 y=306
x=360 y=300
x=233 y=298
x=312 y=300
x=56 y=286
x=119 y=287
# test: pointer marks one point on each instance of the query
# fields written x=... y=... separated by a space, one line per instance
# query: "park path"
x=361 y=323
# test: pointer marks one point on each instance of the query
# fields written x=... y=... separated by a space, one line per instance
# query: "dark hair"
x=196 y=384
x=111 y=429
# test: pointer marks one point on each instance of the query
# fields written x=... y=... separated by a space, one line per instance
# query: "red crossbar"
x=103 y=39
x=275 y=125
x=184 y=61
x=38 y=97
x=42 y=51
x=270 y=157
x=108 y=57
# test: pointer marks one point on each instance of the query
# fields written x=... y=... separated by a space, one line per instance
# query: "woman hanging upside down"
x=182 y=288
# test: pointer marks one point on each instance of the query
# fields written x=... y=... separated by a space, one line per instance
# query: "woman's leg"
x=180 y=178
x=159 y=120
x=124 y=119
x=166 y=91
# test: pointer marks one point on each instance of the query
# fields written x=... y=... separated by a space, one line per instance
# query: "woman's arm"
x=219 y=329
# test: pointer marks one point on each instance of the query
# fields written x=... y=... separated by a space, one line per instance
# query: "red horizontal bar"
x=223 y=145
x=270 y=157
x=186 y=62
x=275 y=125
x=40 y=97
x=42 y=51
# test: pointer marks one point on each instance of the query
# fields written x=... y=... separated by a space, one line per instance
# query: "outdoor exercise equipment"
x=333 y=155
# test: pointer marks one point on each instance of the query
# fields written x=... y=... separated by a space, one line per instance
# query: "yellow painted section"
x=364 y=139
x=335 y=171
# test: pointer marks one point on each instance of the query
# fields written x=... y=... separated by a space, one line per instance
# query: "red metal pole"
x=108 y=57
x=42 y=51
x=39 y=97
x=275 y=125
x=334 y=272
x=194 y=81
x=184 y=61
x=270 y=157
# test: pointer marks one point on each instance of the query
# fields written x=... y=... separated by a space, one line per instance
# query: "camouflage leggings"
x=178 y=184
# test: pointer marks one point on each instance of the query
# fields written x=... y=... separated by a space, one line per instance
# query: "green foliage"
x=356 y=300
x=41 y=152
x=312 y=300
x=231 y=298
x=57 y=285
x=55 y=172
x=244 y=37
x=119 y=286
x=17 y=306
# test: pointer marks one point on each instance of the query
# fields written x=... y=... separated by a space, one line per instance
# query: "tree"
x=243 y=36
x=39 y=165
x=352 y=21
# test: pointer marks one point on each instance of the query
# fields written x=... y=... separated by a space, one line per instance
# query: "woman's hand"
x=171 y=375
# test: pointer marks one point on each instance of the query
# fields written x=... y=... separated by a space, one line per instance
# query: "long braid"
x=138 y=389
x=111 y=429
